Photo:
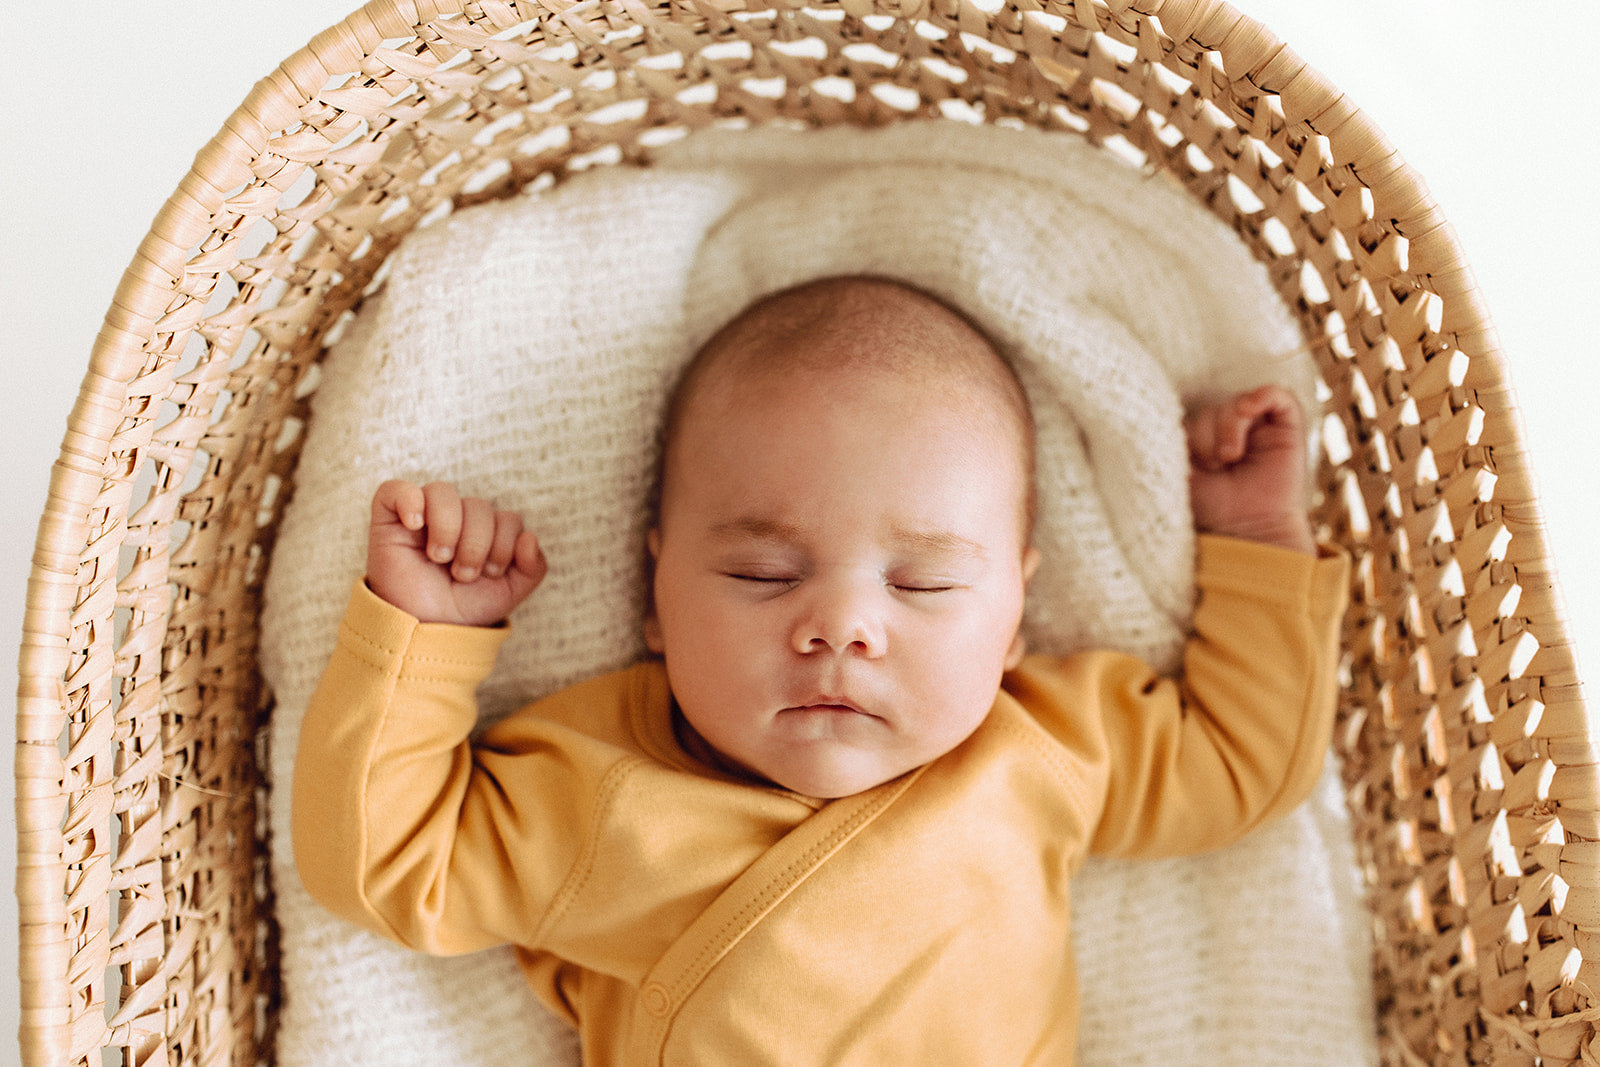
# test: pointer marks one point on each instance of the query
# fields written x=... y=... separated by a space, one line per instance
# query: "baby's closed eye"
x=762 y=581
x=924 y=585
x=755 y=576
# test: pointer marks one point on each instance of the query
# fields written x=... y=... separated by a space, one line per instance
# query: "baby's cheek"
x=971 y=678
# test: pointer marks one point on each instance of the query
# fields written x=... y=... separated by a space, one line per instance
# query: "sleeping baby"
x=834 y=818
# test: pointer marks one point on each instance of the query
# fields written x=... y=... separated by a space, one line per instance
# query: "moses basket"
x=146 y=910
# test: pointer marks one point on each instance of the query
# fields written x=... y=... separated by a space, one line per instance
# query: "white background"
x=106 y=112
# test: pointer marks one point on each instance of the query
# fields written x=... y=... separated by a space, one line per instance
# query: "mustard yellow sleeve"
x=1240 y=736
x=396 y=824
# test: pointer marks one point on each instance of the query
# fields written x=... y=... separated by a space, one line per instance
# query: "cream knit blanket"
x=523 y=349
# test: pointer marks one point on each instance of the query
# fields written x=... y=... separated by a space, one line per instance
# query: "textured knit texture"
x=523 y=349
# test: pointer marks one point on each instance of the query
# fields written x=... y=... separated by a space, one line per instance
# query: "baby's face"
x=840 y=570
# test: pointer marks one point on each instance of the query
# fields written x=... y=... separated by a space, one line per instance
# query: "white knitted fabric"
x=524 y=349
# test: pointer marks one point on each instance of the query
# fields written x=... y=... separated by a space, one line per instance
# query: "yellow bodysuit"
x=679 y=916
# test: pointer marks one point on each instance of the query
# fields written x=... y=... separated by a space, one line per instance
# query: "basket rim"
x=1399 y=194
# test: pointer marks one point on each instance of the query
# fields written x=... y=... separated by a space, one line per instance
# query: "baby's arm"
x=397 y=823
x=1238 y=737
x=402 y=826
x=1247 y=474
x=446 y=558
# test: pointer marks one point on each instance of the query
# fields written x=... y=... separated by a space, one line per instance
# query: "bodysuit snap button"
x=657 y=1001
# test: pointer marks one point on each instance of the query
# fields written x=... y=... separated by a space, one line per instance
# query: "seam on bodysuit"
x=776 y=889
x=583 y=865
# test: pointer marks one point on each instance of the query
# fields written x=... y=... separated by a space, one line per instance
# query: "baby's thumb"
x=528 y=565
x=398 y=501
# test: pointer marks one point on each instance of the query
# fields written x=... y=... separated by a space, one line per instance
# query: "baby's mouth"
x=828 y=706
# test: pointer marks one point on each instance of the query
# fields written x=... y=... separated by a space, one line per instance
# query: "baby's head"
x=843 y=545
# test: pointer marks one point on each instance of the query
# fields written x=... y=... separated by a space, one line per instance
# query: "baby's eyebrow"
x=757 y=528
x=939 y=542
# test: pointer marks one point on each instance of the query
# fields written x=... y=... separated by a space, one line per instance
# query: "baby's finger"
x=1200 y=429
x=443 y=519
x=507 y=528
x=477 y=536
x=528 y=565
x=1234 y=423
x=1273 y=403
x=1277 y=420
x=397 y=500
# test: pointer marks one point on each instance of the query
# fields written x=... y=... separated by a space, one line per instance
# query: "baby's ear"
x=1019 y=644
x=652 y=624
x=1017 y=651
x=1030 y=564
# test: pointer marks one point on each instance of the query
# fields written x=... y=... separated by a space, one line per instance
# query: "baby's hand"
x=1247 y=469
x=444 y=558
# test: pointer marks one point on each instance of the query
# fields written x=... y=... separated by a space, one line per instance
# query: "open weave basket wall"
x=146 y=914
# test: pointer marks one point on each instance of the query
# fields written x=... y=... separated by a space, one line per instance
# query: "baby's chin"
x=834 y=775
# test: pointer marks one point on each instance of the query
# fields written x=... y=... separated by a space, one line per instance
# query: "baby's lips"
x=831 y=703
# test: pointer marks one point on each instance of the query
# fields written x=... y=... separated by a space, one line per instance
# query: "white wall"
x=105 y=114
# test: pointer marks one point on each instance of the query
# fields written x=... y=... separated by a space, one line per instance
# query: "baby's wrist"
x=386 y=592
x=1293 y=534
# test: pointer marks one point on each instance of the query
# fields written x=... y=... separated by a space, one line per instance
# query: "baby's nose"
x=842 y=617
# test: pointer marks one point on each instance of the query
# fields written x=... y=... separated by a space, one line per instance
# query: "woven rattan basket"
x=146 y=913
